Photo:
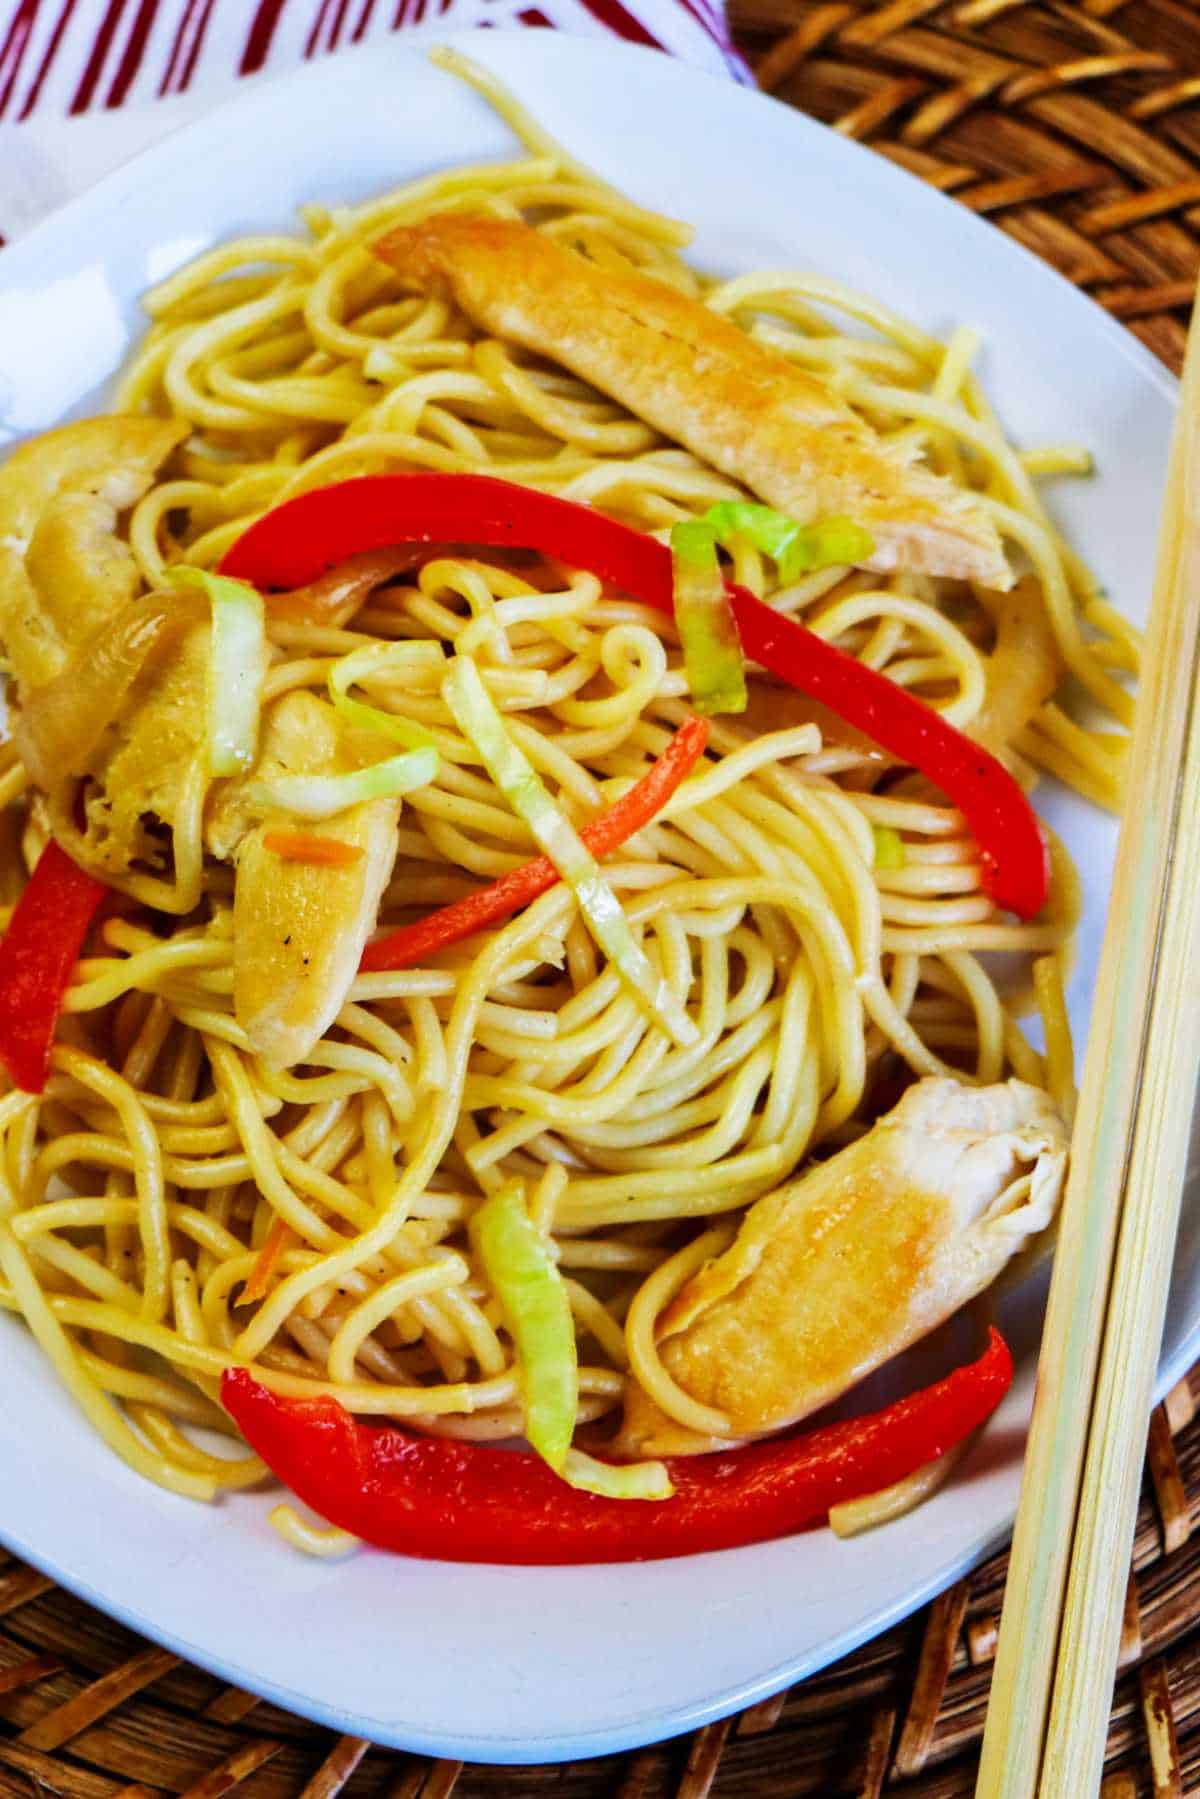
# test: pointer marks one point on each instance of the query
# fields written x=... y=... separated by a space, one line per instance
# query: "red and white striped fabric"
x=86 y=83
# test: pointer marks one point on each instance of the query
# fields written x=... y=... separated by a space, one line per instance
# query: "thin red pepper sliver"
x=259 y=1278
x=317 y=852
x=304 y=537
x=521 y=886
x=467 y=1502
x=39 y=950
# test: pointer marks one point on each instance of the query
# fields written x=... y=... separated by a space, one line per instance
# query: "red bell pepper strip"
x=40 y=948
x=312 y=533
x=466 y=1502
x=521 y=886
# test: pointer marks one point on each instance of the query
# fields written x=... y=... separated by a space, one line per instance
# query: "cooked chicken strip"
x=64 y=570
x=701 y=380
x=837 y=1272
x=299 y=930
x=62 y=566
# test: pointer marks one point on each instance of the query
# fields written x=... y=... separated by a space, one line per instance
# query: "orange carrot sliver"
x=523 y=885
x=259 y=1278
x=305 y=846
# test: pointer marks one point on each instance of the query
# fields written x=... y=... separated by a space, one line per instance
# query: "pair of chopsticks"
x=1060 y=1630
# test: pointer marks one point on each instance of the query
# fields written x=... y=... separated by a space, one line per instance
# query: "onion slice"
x=63 y=720
x=532 y=1295
x=613 y=1480
x=889 y=847
x=236 y=667
x=334 y=597
x=322 y=796
x=795 y=549
x=419 y=656
x=523 y=1273
x=712 y=649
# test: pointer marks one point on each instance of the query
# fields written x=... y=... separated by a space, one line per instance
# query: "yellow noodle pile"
x=135 y=1196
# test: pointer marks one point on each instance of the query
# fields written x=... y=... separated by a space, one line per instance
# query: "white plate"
x=499 y=1664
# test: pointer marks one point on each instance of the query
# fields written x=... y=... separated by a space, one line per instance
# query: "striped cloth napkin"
x=85 y=84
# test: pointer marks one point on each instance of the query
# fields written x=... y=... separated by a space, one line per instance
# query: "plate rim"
x=518 y=1751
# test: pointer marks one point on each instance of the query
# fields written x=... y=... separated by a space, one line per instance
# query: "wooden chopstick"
x=1060 y=1628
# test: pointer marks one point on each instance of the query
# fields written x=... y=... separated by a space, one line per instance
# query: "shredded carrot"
x=305 y=846
x=523 y=885
x=259 y=1279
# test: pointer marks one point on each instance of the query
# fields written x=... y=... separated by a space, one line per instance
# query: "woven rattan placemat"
x=1075 y=128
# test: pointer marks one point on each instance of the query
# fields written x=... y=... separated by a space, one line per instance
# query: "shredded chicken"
x=696 y=377
x=832 y=1275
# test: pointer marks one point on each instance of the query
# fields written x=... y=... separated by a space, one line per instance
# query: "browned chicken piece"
x=299 y=930
x=62 y=566
x=834 y=1274
x=64 y=571
x=702 y=381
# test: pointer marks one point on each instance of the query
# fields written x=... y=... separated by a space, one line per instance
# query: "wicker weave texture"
x=1076 y=129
